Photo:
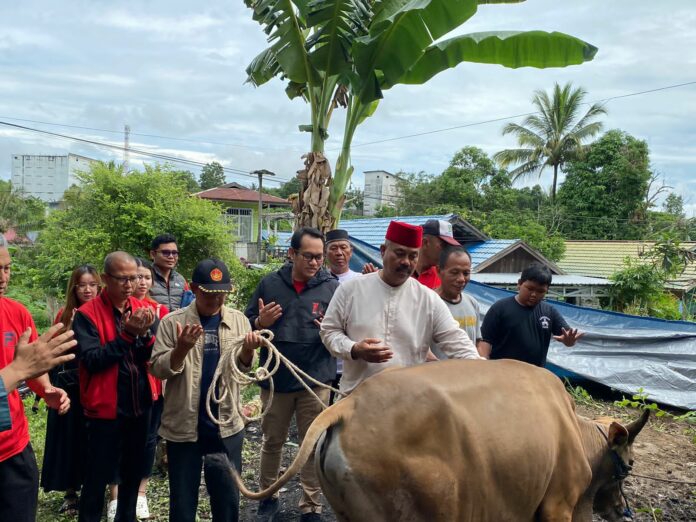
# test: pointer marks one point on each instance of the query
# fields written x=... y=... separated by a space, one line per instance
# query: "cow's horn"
x=637 y=425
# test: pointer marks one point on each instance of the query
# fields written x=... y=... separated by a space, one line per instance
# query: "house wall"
x=232 y=219
x=512 y=263
x=380 y=189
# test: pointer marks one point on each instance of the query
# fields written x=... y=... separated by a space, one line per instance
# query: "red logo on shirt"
x=316 y=308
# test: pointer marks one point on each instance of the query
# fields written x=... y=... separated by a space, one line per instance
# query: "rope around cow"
x=228 y=378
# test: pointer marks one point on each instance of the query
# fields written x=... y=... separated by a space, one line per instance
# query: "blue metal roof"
x=373 y=230
x=368 y=234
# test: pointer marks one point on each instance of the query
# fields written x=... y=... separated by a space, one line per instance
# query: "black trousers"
x=114 y=448
x=152 y=437
x=185 y=459
x=19 y=487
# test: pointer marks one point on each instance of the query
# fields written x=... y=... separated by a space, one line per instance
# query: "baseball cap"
x=441 y=229
x=212 y=275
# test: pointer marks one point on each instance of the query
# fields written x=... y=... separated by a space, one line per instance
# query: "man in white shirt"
x=338 y=254
x=386 y=318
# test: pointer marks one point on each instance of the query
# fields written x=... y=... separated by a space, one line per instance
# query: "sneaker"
x=142 y=512
x=268 y=508
x=111 y=510
x=310 y=517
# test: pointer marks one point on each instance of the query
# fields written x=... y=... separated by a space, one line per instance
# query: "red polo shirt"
x=429 y=278
x=14 y=320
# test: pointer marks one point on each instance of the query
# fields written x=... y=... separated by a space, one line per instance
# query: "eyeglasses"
x=309 y=257
x=124 y=280
x=169 y=253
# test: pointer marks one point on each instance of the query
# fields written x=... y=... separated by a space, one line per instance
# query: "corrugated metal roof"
x=603 y=258
x=240 y=194
x=558 y=280
x=373 y=230
x=484 y=250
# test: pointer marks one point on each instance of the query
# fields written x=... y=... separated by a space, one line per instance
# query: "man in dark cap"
x=189 y=344
x=387 y=318
x=338 y=254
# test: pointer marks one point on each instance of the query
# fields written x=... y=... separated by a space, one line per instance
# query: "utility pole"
x=126 y=147
x=260 y=173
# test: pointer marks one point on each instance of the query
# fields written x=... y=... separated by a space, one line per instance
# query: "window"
x=241 y=223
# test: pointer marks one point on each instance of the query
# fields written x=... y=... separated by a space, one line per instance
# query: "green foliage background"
x=112 y=211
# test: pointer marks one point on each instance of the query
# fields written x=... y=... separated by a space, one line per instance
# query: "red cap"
x=404 y=234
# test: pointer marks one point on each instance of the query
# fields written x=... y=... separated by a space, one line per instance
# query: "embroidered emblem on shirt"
x=216 y=274
x=545 y=322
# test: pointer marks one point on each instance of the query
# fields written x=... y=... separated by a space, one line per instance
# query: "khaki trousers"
x=275 y=427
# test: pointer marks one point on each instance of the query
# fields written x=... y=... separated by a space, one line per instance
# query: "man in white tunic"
x=387 y=318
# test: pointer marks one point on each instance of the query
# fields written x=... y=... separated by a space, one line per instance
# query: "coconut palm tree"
x=347 y=53
x=552 y=136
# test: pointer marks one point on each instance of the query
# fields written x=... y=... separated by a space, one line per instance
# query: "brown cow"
x=465 y=441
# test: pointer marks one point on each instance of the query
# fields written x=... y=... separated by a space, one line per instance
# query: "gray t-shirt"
x=466 y=312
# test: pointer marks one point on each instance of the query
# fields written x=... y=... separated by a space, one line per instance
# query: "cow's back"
x=455 y=440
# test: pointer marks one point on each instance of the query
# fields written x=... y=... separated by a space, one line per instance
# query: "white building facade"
x=381 y=189
x=47 y=177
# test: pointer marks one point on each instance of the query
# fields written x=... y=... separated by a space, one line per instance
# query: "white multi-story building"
x=47 y=177
x=381 y=189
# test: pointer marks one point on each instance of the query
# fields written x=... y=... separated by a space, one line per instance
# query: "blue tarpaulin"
x=622 y=351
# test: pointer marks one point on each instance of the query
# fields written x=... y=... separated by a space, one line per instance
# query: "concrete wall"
x=47 y=177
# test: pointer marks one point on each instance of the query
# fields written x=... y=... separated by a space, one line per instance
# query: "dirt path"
x=663 y=449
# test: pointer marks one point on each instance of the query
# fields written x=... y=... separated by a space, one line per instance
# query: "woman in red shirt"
x=65 y=434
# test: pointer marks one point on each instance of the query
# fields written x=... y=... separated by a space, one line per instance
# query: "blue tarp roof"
x=625 y=352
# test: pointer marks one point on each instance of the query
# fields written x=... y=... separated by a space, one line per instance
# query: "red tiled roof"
x=240 y=194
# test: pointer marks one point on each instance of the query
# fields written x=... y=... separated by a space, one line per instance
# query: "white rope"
x=229 y=379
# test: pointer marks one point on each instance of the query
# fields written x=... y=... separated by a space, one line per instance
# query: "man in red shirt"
x=436 y=235
x=19 y=475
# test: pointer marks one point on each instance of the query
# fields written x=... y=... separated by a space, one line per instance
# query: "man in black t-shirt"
x=520 y=327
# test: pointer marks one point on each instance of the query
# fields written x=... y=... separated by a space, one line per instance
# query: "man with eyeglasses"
x=291 y=303
x=168 y=286
x=115 y=334
x=521 y=326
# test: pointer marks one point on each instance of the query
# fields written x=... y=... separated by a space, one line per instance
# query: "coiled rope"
x=230 y=379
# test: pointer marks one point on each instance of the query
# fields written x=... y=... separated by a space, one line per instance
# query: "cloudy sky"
x=174 y=71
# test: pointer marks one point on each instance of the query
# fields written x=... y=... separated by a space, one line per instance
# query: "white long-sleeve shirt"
x=408 y=319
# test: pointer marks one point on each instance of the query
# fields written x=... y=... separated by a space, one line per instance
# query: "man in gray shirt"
x=455 y=273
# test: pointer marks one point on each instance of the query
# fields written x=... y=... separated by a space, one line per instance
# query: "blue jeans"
x=185 y=460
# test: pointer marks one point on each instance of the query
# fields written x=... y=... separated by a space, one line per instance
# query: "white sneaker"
x=111 y=510
x=142 y=512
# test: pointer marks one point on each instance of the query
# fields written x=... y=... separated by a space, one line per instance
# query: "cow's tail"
x=339 y=412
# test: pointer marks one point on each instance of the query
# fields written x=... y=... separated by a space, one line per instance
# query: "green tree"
x=348 y=52
x=112 y=211
x=603 y=192
x=188 y=178
x=674 y=205
x=553 y=136
x=212 y=175
x=19 y=212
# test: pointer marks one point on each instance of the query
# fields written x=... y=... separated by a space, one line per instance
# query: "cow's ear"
x=618 y=435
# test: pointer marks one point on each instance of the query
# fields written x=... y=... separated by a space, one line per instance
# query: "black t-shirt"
x=521 y=332
x=207 y=429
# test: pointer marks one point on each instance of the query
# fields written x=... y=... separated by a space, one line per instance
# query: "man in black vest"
x=168 y=286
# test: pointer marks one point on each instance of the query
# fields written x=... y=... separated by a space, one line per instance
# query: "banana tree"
x=346 y=53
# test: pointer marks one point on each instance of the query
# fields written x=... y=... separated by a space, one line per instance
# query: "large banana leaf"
x=283 y=22
x=509 y=49
x=336 y=23
x=399 y=33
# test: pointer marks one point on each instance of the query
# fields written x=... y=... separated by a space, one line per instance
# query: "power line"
x=111 y=131
x=173 y=159
x=504 y=118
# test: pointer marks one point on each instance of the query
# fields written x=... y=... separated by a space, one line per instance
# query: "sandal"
x=70 y=506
